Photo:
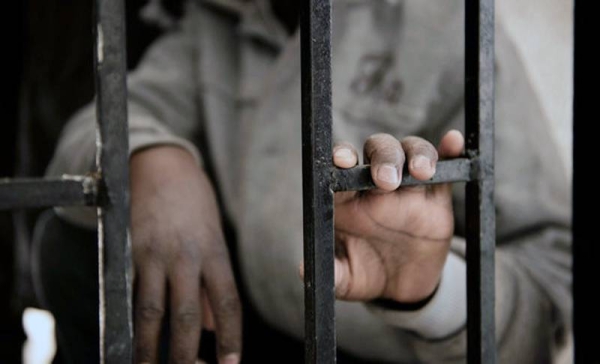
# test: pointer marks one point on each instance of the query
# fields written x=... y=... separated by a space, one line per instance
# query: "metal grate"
x=107 y=188
x=321 y=180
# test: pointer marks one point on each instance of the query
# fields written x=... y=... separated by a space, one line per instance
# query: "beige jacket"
x=225 y=84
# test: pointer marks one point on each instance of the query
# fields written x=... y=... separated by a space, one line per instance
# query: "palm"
x=419 y=212
x=392 y=242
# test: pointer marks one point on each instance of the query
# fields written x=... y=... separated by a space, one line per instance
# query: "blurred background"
x=48 y=76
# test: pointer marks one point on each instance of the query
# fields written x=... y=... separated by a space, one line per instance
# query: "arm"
x=533 y=257
x=181 y=262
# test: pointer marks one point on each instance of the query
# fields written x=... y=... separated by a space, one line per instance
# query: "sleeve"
x=162 y=109
x=533 y=256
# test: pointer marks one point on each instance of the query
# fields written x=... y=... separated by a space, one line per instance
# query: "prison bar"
x=319 y=182
x=319 y=312
x=320 y=179
x=112 y=162
x=359 y=178
x=35 y=193
x=480 y=210
x=107 y=188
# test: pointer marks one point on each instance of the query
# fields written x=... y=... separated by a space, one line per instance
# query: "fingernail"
x=388 y=173
x=421 y=162
x=230 y=359
x=344 y=154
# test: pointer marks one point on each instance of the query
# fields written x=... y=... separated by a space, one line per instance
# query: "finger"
x=208 y=319
x=356 y=279
x=185 y=313
x=344 y=155
x=342 y=278
x=225 y=303
x=386 y=157
x=421 y=157
x=451 y=145
x=149 y=313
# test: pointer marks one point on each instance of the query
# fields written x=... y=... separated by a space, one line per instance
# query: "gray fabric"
x=236 y=84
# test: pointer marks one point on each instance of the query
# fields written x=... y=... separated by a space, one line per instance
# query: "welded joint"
x=480 y=169
x=90 y=186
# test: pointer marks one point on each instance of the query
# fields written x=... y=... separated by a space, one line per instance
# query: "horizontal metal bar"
x=359 y=178
x=30 y=193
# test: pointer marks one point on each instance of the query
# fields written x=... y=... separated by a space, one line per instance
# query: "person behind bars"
x=219 y=96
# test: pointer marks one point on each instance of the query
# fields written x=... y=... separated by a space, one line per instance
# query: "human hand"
x=392 y=242
x=182 y=268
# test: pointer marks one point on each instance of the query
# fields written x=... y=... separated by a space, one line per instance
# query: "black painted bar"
x=316 y=184
x=35 y=193
x=359 y=178
x=114 y=256
x=479 y=130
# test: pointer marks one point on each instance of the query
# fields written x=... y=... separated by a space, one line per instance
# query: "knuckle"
x=187 y=317
x=376 y=141
x=377 y=137
x=149 y=312
x=425 y=148
x=387 y=154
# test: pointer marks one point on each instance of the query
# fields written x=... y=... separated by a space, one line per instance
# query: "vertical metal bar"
x=479 y=105
x=113 y=165
x=318 y=195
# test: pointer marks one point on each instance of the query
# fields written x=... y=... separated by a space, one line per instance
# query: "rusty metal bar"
x=114 y=258
x=479 y=130
x=318 y=196
x=33 y=193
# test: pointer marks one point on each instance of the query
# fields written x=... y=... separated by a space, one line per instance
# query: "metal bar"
x=479 y=106
x=114 y=250
x=31 y=193
x=317 y=180
x=359 y=178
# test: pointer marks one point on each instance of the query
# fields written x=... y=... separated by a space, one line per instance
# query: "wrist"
x=162 y=163
x=389 y=304
x=444 y=314
x=417 y=278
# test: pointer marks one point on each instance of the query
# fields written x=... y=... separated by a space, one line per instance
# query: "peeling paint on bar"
x=101 y=286
x=113 y=165
x=100 y=45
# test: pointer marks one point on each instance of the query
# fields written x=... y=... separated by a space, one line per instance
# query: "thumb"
x=342 y=277
x=451 y=146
